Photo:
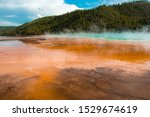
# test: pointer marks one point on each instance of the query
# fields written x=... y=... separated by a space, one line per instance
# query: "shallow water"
x=11 y=43
x=30 y=71
x=25 y=69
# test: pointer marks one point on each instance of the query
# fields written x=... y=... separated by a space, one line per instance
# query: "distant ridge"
x=127 y=16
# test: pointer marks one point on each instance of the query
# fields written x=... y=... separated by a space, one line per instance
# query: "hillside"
x=126 y=16
x=6 y=29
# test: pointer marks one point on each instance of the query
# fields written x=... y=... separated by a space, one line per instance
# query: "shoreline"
x=46 y=37
x=5 y=38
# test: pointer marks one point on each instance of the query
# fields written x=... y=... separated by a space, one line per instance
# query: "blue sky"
x=17 y=12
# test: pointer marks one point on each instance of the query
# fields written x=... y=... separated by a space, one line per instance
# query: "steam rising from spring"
x=130 y=36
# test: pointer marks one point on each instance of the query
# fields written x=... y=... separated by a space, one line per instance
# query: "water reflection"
x=10 y=43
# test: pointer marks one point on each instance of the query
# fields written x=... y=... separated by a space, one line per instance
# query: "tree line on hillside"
x=6 y=29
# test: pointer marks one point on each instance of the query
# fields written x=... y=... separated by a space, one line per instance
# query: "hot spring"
x=45 y=67
x=129 y=36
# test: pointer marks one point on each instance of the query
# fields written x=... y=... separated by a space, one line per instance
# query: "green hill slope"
x=126 y=16
x=6 y=29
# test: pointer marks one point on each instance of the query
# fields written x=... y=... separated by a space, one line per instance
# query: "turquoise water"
x=133 y=36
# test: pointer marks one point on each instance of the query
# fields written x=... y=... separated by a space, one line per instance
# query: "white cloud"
x=8 y=23
x=10 y=16
x=39 y=7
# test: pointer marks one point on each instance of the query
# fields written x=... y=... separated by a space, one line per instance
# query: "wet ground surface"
x=104 y=83
x=30 y=71
x=74 y=83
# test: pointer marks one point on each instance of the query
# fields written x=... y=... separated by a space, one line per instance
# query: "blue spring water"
x=130 y=36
